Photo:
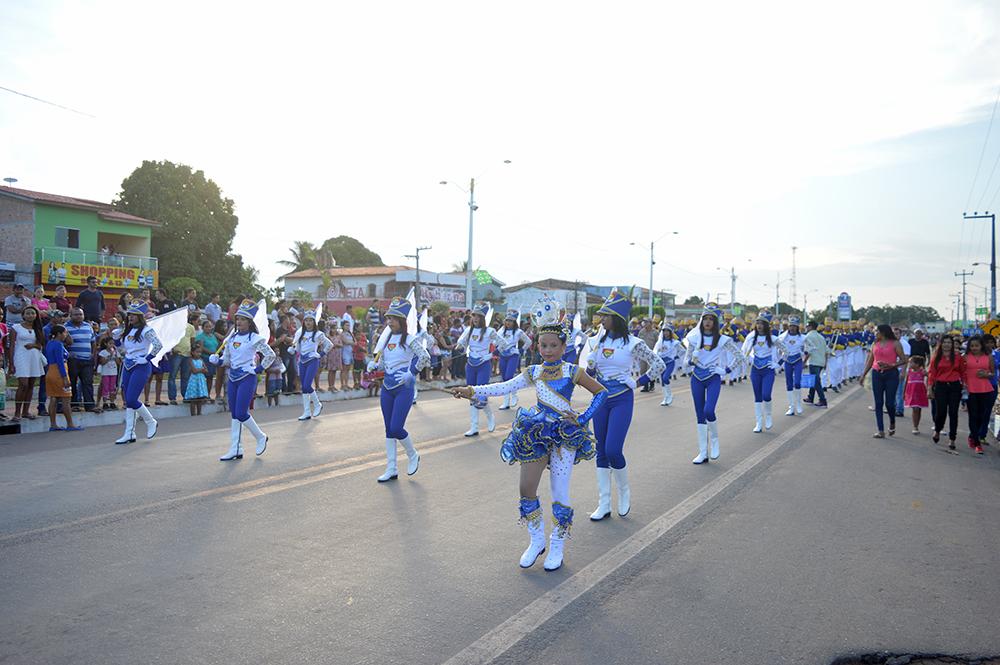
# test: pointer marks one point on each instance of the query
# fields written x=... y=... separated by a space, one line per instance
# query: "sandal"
x=878 y=435
x=916 y=431
x=937 y=437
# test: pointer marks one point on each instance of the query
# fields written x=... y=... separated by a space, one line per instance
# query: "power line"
x=982 y=153
x=45 y=101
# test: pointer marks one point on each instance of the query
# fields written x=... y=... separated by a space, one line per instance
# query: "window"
x=371 y=290
x=67 y=237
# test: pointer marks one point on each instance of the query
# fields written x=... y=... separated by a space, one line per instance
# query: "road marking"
x=498 y=641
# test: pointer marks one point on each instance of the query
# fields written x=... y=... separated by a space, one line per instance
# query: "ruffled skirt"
x=533 y=437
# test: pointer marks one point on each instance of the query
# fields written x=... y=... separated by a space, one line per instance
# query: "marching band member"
x=611 y=357
x=140 y=345
x=669 y=349
x=510 y=360
x=707 y=349
x=312 y=344
x=547 y=434
x=239 y=353
x=401 y=355
x=476 y=339
x=763 y=350
x=793 y=339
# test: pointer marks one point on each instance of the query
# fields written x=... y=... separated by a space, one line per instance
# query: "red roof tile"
x=104 y=210
x=367 y=271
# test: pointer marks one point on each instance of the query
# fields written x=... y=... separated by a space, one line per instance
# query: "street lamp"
x=777 y=292
x=472 y=209
x=652 y=262
x=993 y=254
x=732 y=286
x=417 y=257
x=805 y=303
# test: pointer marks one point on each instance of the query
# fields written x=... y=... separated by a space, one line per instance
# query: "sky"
x=852 y=131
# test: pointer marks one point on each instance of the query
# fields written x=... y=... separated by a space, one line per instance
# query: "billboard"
x=76 y=274
x=844 y=310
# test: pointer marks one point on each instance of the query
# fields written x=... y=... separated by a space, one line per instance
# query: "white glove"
x=371 y=366
x=214 y=359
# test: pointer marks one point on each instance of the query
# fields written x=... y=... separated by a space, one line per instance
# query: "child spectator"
x=274 y=380
x=347 y=356
x=41 y=303
x=107 y=359
x=335 y=356
x=915 y=395
x=372 y=381
x=57 y=380
x=209 y=341
x=360 y=355
x=197 y=386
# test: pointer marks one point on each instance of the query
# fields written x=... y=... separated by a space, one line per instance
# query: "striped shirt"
x=83 y=339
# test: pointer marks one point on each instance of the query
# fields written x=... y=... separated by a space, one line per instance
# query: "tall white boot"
x=473 y=421
x=667 y=398
x=513 y=400
x=306 y=403
x=147 y=417
x=531 y=515
x=798 y=402
x=791 y=403
x=251 y=425
x=603 y=495
x=416 y=392
x=506 y=403
x=768 y=420
x=317 y=406
x=235 y=449
x=491 y=420
x=563 y=518
x=758 y=412
x=129 y=435
x=554 y=559
x=702 y=445
x=391 y=472
x=713 y=436
x=411 y=455
x=624 y=491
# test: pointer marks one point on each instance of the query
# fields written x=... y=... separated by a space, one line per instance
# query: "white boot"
x=506 y=403
x=474 y=421
x=791 y=403
x=713 y=436
x=416 y=392
x=390 y=462
x=798 y=402
x=317 y=406
x=306 y=403
x=513 y=400
x=235 y=449
x=702 y=445
x=251 y=425
x=491 y=421
x=758 y=412
x=411 y=454
x=554 y=559
x=147 y=417
x=624 y=491
x=768 y=421
x=129 y=435
x=603 y=495
x=536 y=530
x=666 y=396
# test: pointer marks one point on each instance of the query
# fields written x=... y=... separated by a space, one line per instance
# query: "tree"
x=905 y=315
x=348 y=252
x=303 y=256
x=694 y=300
x=198 y=225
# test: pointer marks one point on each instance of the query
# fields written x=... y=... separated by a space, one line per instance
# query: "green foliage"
x=694 y=300
x=905 y=315
x=304 y=297
x=175 y=288
x=439 y=308
x=350 y=253
x=199 y=224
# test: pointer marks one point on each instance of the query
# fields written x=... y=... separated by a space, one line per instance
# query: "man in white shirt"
x=213 y=311
x=815 y=349
x=347 y=321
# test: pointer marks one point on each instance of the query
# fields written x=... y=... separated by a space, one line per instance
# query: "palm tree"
x=304 y=256
x=462 y=266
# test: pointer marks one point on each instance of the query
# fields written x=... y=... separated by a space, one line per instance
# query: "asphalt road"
x=158 y=553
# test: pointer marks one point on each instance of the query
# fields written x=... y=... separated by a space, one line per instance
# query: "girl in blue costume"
x=312 y=344
x=139 y=345
x=510 y=360
x=707 y=351
x=400 y=353
x=611 y=356
x=547 y=434
x=240 y=354
x=476 y=339
x=669 y=348
x=793 y=339
x=763 y=351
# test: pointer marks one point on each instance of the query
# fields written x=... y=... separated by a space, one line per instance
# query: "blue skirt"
x=533 y=437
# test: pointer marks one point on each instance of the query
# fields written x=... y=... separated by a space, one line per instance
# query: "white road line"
x=498 y=641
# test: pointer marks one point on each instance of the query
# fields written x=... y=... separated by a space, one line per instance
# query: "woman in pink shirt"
x=884 y=361
x=977 y=368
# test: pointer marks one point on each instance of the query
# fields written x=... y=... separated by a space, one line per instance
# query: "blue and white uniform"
x=669 y=351
x=510 y=359
x=239 y=354
x=311 y=346
x=479 y=358
x=763 y=352
x=610 y=360
x=139 y=348
x=707 y=355
x=793 y=365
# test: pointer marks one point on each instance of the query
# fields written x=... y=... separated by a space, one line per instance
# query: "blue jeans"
x=178 y=364
x=899 y=393
x=81 y=377
x=817 y=371
x=884 y=385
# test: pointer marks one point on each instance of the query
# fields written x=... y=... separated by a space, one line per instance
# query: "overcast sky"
x=852 y=130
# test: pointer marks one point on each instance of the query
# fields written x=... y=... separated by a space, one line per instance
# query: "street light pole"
x=652 y=262
x=993 y=255
x=416 y=256
x=965 y=308
x=468 y=264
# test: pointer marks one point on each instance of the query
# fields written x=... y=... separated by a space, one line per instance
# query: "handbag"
x=808 y=381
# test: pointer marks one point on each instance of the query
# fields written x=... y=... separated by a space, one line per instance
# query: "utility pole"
x=965 y=310
x=416 y=256
x=777 y=294
x=993 y=255
x=732 y=290
x=794 y=248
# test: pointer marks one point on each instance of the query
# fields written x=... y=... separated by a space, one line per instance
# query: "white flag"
x=169 y=328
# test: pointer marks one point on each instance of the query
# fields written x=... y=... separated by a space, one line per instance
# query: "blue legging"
x=706 y=396
x=307 y=373
x=793 y=375
x=668 y=372
x=396 y=403
x=884 y=384
x=762 y=380
x=477 y=375
x=240 y=395
x=509 y=366
x=611 y=423
x=133 y=382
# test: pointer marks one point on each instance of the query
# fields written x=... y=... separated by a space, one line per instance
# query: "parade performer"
x=547 y=434
x=610 y=357
x=312 y=345
x=763 y=350
x=669 y=349
x=477 y=339
x=400 y=353
x=139 y=345
x=577 y=338
x=707 y=351
x=510 y=360
x=239 y=353
x=792 y=339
